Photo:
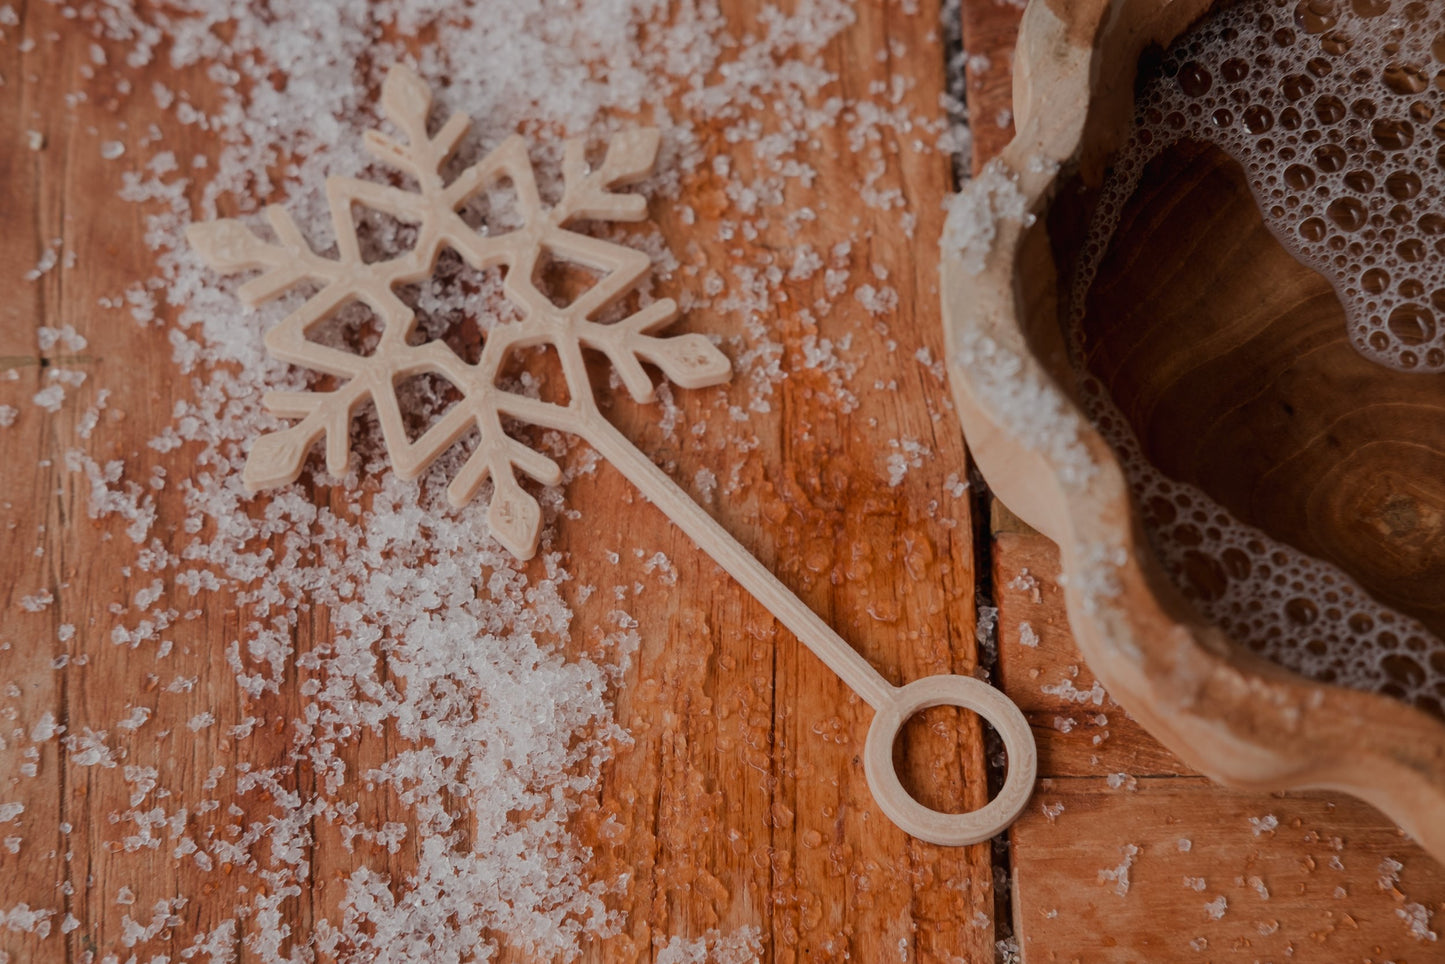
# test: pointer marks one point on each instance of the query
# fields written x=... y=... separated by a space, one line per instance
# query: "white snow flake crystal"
x=744 y=946
x=1390 y=873
x=66 y=336
x=49 y=258
x=1264 y=824
x=1120 y=874
x=974 y=214
x=50 y=398
x=37 y=601
x=908 y=453
x=1032 y=409
x=1066 y=690
x=1417 y=919
x=1122 y=780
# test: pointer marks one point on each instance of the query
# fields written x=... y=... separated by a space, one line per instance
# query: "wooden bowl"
x=1371 y=502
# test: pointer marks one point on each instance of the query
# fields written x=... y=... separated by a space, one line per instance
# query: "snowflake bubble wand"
x=690 y=360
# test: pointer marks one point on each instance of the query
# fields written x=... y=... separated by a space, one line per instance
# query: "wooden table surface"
x=739 y=800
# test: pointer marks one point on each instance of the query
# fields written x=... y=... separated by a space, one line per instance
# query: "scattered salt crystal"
x=705 y=484
x=7 y=415
x=974 y=214
x=34 y=140
x=1216 y=907
x=1389 y=872
x=877 y=301
x=50 y=398
x=1120 y=874
x=1027 y=582
x=1031 y=408
x=1417 y=919
x=49 y=258
x=1067 y=691
x=23 y=919
x=9 y=811
x=66 y=376
x=663 y=566
x=1027 y=635
x=1051 y=810
x=45 y=728
x=743 y=946
x=89 y=749
x=137 y=718
x=909 y=454
x=1265 y=824
x=66 y=336
x=1195 y=883
x=1185 y=845
x=37 y=601
x=1259 y=887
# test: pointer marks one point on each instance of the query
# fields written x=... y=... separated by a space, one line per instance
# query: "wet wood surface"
x=739 y=800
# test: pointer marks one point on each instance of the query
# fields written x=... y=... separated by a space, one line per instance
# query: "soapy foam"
x=1332 y=109
x=1336 y=112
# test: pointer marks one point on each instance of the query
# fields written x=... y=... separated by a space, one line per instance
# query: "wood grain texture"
x=990 y=28
x=1234 y=367
x=740 y=799
x=1106 y=786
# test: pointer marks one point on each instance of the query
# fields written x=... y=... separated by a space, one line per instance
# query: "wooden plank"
x=990 y=28
x=740 y=799
x=762 y=739
x=1205 y=882
x=1108 y=786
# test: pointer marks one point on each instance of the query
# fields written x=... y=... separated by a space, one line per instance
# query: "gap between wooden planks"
x=1300 y=874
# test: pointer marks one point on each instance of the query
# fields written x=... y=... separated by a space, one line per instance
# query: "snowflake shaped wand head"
x=690 y=360
x=514 y=516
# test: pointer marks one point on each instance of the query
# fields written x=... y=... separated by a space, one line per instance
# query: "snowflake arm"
x=434 y=209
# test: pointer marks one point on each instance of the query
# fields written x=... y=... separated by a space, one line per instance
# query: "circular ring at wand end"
x=934 y=826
